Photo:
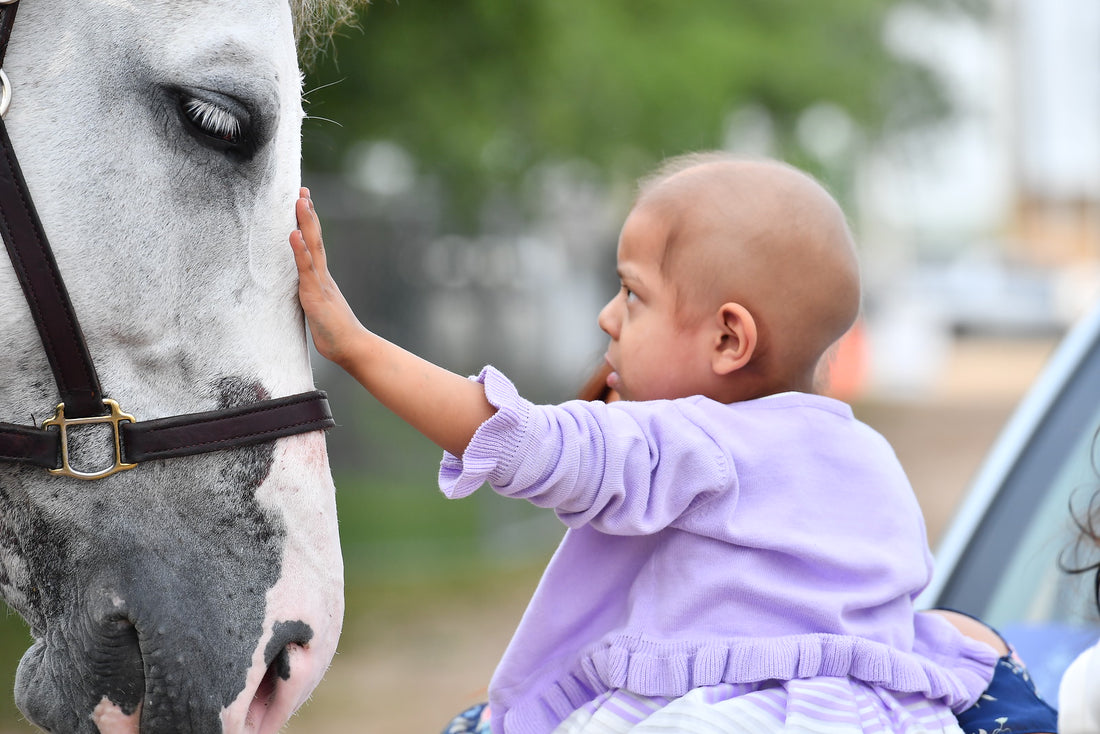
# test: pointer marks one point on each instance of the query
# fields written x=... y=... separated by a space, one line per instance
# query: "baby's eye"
x=630 y=295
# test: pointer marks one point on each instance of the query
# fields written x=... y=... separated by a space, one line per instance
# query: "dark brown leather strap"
x=29 y=445
x=41 y=281
x=195 y=433
x=39 y=276
x=183 y=435
x=7 y=19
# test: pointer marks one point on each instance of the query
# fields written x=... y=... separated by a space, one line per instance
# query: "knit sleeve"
x=623 y=469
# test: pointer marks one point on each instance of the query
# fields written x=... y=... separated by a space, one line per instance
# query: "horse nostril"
x=264 y=697
x=277 y=653
x=266 y=690
x=281 y=664
x=282 y=636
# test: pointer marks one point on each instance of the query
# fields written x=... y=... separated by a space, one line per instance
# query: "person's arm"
x=444 y=406
x=973 y=629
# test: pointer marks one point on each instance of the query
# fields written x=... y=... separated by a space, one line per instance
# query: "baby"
x=742 y=554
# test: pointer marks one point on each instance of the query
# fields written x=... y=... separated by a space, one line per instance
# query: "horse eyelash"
x=213 y=119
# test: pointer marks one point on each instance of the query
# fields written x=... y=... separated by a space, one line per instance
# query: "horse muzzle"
x=114 y=674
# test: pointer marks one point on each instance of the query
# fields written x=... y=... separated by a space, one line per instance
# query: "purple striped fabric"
x=805 y=706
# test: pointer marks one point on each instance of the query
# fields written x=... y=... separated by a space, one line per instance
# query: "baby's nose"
x=608 y=319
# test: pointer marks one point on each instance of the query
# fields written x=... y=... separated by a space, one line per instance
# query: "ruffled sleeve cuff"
x=490 y=455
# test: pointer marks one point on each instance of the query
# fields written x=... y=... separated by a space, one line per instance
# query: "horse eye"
x=218 y=122
x=213 y=120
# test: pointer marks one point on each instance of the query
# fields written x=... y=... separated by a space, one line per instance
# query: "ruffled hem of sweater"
x=671 y=669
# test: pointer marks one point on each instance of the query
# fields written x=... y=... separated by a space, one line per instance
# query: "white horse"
x=160 y=141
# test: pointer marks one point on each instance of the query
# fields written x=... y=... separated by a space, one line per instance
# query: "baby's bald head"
x=764 y=235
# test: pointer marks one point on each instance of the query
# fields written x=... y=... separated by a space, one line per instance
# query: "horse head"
x=160 y=142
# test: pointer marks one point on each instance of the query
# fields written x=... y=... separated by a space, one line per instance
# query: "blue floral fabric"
x=474 y=720
x=1011 y=704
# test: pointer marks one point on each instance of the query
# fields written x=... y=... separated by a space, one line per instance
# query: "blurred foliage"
x=480 y=91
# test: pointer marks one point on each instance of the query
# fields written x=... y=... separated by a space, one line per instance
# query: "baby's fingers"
x=302 y=259
x=310 y=227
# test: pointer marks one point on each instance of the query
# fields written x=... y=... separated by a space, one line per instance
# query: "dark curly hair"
x=1083 y=557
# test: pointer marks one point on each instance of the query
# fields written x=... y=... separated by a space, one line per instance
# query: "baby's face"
x=655 y=352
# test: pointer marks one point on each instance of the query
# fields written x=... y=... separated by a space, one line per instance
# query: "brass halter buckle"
x=115 y=417
x=5 y=89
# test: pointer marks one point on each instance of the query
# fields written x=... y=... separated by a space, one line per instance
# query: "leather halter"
x=82 y=398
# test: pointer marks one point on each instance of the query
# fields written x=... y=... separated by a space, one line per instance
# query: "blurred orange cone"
x=843 y=371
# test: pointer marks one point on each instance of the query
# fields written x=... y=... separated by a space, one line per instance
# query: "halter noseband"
x=82 y=399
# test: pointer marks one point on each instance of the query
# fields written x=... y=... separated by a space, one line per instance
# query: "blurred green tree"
x=480 y=91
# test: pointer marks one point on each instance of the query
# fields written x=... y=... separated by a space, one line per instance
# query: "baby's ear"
x=736 y=341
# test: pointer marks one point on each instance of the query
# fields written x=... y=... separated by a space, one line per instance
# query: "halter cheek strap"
x=82 y=398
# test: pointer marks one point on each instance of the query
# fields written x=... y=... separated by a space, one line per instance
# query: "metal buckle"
x=115 y=417
x=5 y=90
x=5 y=85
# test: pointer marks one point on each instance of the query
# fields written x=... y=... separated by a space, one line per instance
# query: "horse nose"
x=125 y=663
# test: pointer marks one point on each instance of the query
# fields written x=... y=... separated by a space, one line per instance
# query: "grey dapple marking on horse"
x=159 y=141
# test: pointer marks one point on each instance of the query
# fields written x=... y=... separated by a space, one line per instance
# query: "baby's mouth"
x=613 y=380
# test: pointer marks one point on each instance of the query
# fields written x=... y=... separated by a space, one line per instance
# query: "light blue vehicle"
x=1000 y=558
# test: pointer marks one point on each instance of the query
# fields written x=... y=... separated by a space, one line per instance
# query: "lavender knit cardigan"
x=769 y=539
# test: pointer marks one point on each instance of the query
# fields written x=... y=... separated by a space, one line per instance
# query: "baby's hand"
x=444 y=406
x=331 y=320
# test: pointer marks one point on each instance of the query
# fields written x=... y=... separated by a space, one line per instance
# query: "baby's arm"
x=444 y=406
